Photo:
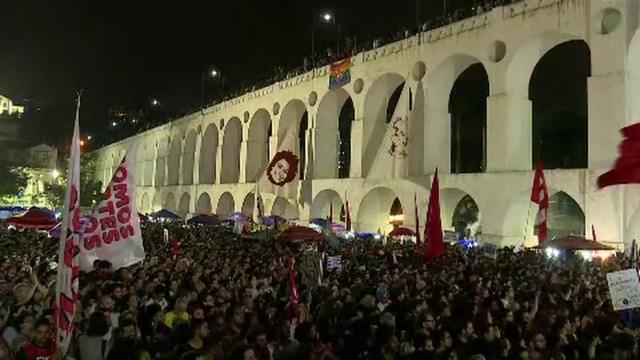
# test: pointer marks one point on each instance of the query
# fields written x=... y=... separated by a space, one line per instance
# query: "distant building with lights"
x=8 y=107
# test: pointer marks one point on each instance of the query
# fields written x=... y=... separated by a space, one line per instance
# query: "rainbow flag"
x=340 y=73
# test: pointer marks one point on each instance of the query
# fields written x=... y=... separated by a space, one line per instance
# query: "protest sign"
x=334 y=262
x=624 y=289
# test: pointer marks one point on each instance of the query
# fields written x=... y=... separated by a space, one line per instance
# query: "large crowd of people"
x=226 y=297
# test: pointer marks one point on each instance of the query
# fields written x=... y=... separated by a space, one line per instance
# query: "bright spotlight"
x=552 y=253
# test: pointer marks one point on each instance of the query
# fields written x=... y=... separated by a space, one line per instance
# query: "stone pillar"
x=437 y=140
x=508 y=133
x=326 y=150
x=154 y=166
x=607 y=108
x=608 y=100
x=273 y=147
x=307 y=137
x=357 y=129
x=218 y=163
x=244 y=147
x=196 y=160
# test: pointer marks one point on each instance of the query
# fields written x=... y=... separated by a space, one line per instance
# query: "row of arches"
x=225 y=205
x=461 y=214
x=557 y=89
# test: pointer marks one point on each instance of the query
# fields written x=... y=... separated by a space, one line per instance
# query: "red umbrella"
x=296 y=234
x=401 y=231
x=573 y=242
x=34 y=218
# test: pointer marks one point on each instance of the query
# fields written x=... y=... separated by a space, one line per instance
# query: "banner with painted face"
x=113 y=230
x=282 y=174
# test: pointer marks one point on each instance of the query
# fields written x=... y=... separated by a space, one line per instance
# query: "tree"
x=90 y=189
x=13 y=182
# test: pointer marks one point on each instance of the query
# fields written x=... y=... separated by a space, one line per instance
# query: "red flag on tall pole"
x=330 y=212
x=627 y=167
x=593 y=233
x=540 y=196
x=347 y=213
x=433 y=235
x=417 y=214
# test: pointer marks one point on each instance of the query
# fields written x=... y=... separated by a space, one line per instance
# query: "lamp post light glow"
x=155 y=102
x=88 y=137
x=55 y=173
x=325 y=17
x=396 y=220
x=114 y=124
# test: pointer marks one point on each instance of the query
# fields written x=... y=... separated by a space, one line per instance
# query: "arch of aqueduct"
x=209 y=161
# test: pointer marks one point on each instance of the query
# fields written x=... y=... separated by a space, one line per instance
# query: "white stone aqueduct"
x=209 y=161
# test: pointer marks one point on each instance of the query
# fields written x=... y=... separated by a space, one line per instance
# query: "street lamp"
x=114 y=124
x=88 y=137
x=155 y=102
x=328 y=18
x=214 y=74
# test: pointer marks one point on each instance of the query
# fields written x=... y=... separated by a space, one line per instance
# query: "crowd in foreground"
x=225 y=297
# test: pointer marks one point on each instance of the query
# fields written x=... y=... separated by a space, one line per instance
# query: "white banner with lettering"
x=113 y=230
x=68 y=271
x=624 y=288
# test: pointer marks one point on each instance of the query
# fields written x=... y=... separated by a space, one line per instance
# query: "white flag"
x=392 y=160
x=282 y=174
x=113 y=232
x=70 y=236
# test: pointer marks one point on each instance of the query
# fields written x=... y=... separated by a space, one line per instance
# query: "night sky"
x=123 y=53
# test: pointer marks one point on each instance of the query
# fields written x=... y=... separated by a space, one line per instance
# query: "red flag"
x=627 y=167
x=540 y=196
x=330 y=213
x=593 y=233
x=415 y=204
x=347 y=212
x=293 y=289
x=433 y=235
